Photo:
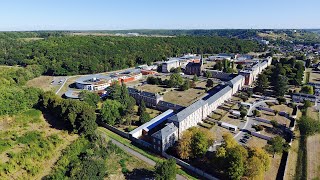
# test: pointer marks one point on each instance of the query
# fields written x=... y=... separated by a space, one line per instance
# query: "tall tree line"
x=91 y=54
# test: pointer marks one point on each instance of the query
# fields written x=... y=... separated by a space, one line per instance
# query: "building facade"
x=150 y=99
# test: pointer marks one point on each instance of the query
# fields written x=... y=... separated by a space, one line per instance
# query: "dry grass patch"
x=184 y=98
x=293 y=158
x=43 y=82
x=256 y=142
x=271 y=174
x=313 y=156
x=313 y=113
x=152 y=88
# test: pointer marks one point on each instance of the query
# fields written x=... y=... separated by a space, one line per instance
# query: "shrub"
x=281 y=100
x=257 y=127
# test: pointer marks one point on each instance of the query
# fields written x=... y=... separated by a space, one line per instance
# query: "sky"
x=25 y=15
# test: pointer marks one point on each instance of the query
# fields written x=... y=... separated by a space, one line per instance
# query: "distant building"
x=179 y=62
x=150 y=99
x=93 y=82
x=194 y=68
x=222 y=56
x=168 y=65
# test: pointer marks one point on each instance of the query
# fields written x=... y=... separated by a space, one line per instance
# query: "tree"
x=142 y=108
x=124 y=95
x=243 y=113
x=210 y=83
x=277 y=145
x=218 y=66
x=199 y=144
x=308 y=63
x=262 y=83
x=87 y=120
x=186 y=85
x=88 y=168
x=111 y=112
x=306 y=104
x=207 y=74
x=130 y=106
x=166 y=170
x=308 y=126
x=89 y=97
x=175 y=80
x=144 y=117
x=274 y=123
x=194 y=143
x=195 y=78
x=115 y=91
x=281 y=86
x=256 y=113
x=240 y=66
x=184 y=148
x=307 y=89
x=235 y=161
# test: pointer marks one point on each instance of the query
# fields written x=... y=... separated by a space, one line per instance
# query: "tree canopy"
x=69 y=55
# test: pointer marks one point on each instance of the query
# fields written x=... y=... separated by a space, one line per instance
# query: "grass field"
x=43 y=82
x=29 y=145
x=256 y=142
x=121 y=165
x=313 y=113
x=148 y=154
x=152 y=88
x=271 y=174
x=313 y=156
x=293 y=157
x=183 y=98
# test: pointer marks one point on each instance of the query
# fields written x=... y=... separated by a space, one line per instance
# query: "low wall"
x=189 y=167
x=261 y=136
x=115 y=130
x=266 y=109
x=262 y=120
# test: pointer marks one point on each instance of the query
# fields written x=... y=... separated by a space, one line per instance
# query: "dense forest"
x=92 y=54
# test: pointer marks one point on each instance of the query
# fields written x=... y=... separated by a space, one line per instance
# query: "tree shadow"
x=139 y=174
x=54 y=122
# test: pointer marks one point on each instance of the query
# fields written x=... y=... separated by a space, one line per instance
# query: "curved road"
x=250 y=121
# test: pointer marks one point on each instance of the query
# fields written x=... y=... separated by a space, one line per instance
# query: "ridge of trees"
x=71 y=55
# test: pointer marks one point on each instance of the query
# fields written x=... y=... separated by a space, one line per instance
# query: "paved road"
x=140 y=156
x=250 y=120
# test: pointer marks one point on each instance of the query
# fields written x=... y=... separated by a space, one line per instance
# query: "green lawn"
x=150 y=155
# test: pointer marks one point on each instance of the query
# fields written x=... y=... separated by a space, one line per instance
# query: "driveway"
x=250 y=120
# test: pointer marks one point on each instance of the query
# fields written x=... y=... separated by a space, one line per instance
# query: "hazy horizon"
x=98 y=15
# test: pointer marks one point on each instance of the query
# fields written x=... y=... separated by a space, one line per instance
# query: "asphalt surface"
x=250 y=120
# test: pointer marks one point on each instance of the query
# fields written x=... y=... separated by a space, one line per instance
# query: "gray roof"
x=72 y=94
x=235 y=79
x=165 y=132
x=87 y=79
x=148 y=125
x=187 y=111
x=143 y=93
x=217 y=95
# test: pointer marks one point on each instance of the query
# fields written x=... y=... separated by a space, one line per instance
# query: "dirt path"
x=313 y=149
